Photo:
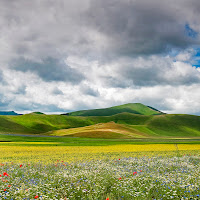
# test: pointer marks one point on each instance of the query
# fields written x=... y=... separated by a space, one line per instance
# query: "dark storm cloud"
x=144 y=27
x=49 y=70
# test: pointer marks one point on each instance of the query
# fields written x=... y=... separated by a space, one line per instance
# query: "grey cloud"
x=96 y=29
x=31 y=106
x=155 y=76
x=49 y=29
x=87 y=90
x=1 y=77
x=21 y=90
x=150 y=72
x=49 y=70
x=47 y=108
x=4 y=103
x=143 y=27
x=57 y=91
x=116 y=81
x=3 y=81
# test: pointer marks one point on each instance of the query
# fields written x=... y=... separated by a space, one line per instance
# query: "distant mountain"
x=134 y=108
x=8 y=113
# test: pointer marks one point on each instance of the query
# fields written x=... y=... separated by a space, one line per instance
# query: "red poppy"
x=4 y=189
x=20 y=166
x=36 y=197
x=9 y=185
x=120 y=178
x=140 y=170
x=5 y=174
x=134 y=173
x=107 y=198
x=119 y=158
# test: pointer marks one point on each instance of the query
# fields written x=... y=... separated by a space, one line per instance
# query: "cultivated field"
x=42 y=170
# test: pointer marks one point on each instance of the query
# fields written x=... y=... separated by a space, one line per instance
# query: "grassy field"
x=73 y=141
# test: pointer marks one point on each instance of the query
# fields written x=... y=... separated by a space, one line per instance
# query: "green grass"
x=175 y=125
x=38 y=123
x=102 y=130
x=135 y=108
x=186 y=126
x=72 y=141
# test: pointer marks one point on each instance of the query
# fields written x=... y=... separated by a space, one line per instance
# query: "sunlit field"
x=151 y=171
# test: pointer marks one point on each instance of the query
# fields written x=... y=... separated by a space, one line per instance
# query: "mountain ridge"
x=8 y=113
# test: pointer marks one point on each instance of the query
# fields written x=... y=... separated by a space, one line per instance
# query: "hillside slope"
x=135 y=108
x=102 y=130
x=126 y=125
x=137 y=126
x=40 y=123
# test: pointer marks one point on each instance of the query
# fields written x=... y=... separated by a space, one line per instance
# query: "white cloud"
x=115 y=52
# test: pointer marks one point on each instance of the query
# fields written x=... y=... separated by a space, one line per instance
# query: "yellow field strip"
x=71 y=153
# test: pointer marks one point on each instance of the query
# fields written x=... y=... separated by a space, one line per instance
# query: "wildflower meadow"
x=159 y=171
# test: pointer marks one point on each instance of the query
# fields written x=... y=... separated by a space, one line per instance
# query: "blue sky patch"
x=190 y=32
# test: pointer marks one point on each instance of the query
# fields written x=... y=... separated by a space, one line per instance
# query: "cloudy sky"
x=64 y=55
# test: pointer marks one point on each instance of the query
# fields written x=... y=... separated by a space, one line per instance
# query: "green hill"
x=149 y=123
x=138 y=126
x=40 y=123
x=135 y=108
x=102 y=130
x=39 y=113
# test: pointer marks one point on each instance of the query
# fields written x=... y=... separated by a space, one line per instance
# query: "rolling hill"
x=124 y=125
x=135 y=108
x=102 y=130
x=137 y=126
